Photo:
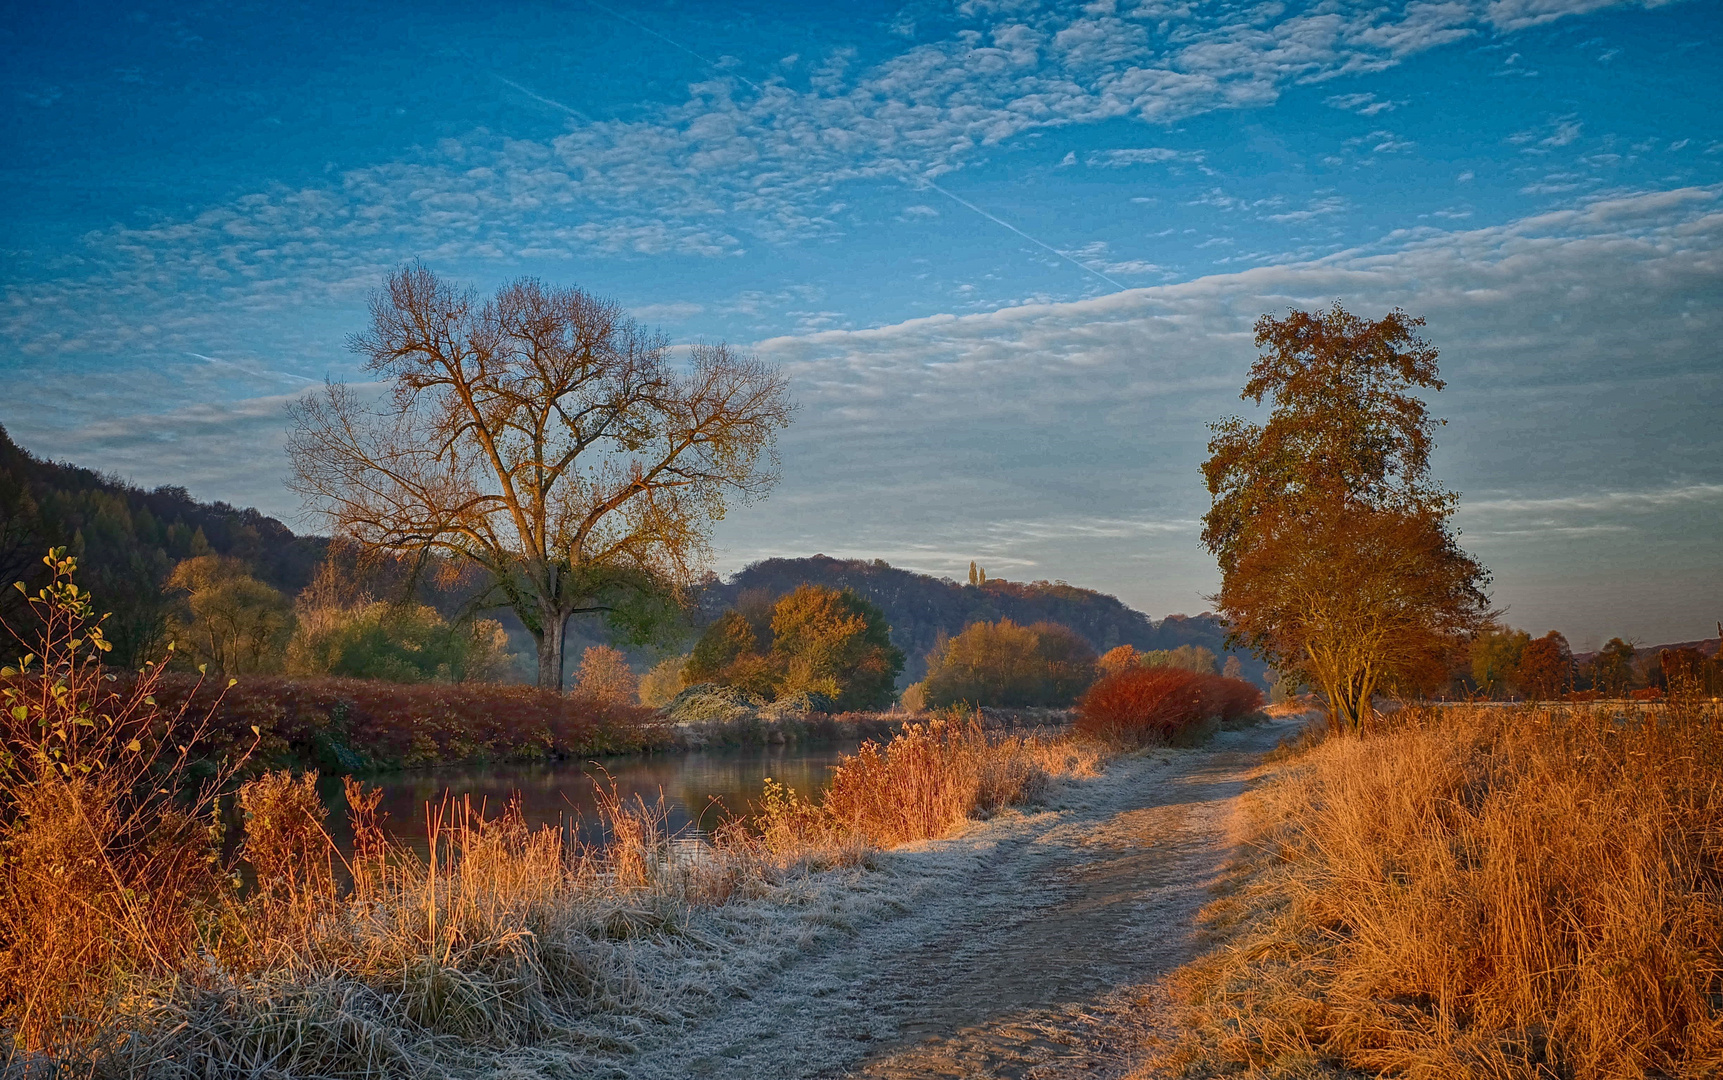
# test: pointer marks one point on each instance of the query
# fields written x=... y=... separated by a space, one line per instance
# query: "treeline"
x=922 y=610
x=829 y=649
x=1506 y=663
x=240 y=592
x=129 y=541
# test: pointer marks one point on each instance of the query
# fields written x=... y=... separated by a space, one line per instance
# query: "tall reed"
x=106 y=830
x=932 y=778
x=1482 y=893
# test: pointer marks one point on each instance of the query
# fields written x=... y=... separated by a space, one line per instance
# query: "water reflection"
x=700 y=789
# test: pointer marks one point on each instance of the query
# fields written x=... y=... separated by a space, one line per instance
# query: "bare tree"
x=544 y=436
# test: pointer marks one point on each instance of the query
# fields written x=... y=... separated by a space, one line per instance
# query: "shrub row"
x=352 y=725
x=1142 y=704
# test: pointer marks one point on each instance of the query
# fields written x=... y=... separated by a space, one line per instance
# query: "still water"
x=699 y=789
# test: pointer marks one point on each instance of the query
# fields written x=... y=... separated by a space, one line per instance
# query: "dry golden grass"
x=504 y=942
x=1478 y=893
x=926 y=783
x=128 y=949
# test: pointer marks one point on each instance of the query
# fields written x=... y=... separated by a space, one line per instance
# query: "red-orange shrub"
x=1144 y=704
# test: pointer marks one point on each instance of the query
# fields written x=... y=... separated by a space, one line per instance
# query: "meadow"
x=1510 y=892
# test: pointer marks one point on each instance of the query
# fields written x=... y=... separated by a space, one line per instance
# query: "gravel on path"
x=1027 y=946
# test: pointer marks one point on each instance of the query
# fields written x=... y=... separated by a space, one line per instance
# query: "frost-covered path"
x=1011 y=950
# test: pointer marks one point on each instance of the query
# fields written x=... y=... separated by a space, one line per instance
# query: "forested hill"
x=920 y=608
x=128 y=540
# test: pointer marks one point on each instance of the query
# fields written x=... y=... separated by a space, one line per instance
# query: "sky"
x=1009 y=254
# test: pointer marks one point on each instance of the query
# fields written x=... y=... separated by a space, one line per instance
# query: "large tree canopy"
x=545 y=436
x=1337 y=557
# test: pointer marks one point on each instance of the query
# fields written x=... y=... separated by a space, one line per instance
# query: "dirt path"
x=1020 y=949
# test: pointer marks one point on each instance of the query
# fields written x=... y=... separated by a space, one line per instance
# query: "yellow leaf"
x=134 y=746
x=233 y=682
x=203 y=669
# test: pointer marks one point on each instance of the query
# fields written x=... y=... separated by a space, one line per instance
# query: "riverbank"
x=764 y=728
x=360 y=727
x=502 y=947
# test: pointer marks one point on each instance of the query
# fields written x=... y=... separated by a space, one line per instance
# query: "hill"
x=921 y=608
x=127 y=541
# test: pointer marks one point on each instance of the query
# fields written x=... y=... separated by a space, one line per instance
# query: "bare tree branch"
x=543 y=436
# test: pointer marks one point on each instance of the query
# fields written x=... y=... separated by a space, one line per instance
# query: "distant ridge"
x=128 y=539
x=920 y=607
x=1708 y=646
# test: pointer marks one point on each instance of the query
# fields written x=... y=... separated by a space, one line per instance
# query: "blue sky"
x=1009 y=252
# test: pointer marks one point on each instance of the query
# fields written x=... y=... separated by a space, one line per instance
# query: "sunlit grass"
x=1479 y=892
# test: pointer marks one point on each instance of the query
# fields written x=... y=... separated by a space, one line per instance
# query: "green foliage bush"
x=397 y=643
x=1002 y=663
x=825 y=643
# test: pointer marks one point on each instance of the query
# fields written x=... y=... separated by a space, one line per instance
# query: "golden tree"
x=227 y=618
x=1337 y=559
x=544 y=436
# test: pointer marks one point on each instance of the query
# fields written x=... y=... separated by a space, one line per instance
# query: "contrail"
x=965 y=202
x=540 y=97
x=672 y=43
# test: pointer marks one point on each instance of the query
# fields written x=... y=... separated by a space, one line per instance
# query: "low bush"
x=926 y=782
x=351 y=725
x=106 y=839
x=1143 y=704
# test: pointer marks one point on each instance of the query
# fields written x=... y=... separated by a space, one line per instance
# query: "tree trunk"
x=550 y=650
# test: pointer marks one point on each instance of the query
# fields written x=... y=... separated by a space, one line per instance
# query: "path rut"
x=1027 y=947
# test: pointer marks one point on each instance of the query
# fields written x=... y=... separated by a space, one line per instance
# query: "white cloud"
x=1579 y=348
x=1519 y=14
x=671 y=312
x=736 y=164
x=1364 y=104
x=1149 y=155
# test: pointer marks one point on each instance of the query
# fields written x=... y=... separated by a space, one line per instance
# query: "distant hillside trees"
x=1003 y=663
x=225 y=618
x=545 y=437
x=1338 y=562
x=816 y=641
x=923 y=609
x=127 y=541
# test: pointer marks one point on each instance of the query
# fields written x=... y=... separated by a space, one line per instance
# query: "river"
x=699 y=789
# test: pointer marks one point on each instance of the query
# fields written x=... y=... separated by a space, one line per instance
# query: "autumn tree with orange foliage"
x=544 y=437
x=1546 y=667
x=1338 y=561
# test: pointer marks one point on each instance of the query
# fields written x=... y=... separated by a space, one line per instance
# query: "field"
x=1492 y=892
